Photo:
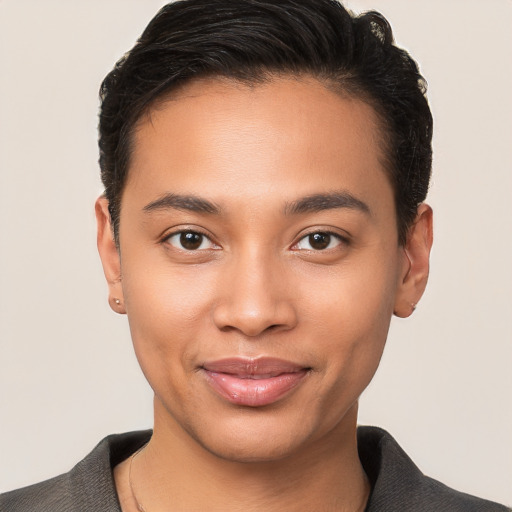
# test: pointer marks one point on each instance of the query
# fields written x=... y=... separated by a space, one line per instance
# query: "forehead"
x=223 y=137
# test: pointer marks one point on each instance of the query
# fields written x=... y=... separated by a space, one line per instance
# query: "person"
x=265 y=168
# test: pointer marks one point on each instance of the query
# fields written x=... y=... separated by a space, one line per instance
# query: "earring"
x=413 y=306
x=117 y=301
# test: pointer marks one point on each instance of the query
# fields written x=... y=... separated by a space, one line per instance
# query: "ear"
x=415 y=268
x=109 y=254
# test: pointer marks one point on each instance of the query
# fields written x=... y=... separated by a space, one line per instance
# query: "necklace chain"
x=140 y=508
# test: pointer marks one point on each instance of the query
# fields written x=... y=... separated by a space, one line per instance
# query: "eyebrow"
x=182 y=202
x=320 y=202
x=311 y=203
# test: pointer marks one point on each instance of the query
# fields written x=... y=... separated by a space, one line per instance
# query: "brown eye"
x=190 y=241
x=319 y=241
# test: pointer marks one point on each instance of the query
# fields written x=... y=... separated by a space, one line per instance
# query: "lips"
x=253 y=382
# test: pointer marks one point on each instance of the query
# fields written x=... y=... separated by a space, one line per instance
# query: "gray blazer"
x=397 y=484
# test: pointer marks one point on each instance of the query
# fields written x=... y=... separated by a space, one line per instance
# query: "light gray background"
x=67 y=373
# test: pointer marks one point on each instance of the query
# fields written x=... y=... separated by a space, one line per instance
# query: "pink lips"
x=253 y=382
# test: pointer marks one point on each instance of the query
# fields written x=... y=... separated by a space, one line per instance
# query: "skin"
x=257 y=287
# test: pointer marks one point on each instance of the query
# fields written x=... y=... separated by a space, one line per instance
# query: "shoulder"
x=398 y=485
x=45 y=496
x=89 y=486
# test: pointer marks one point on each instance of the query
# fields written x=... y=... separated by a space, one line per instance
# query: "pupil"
x=319 y=240
x=190 y=240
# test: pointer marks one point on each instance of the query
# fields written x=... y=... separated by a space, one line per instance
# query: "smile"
x=253 y=382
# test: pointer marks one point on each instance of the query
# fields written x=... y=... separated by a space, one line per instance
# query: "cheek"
x=167 y=309
x=160 y=294
x=350 y=313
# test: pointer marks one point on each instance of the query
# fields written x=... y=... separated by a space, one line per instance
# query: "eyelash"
x=203 y=237
x=341 y=240
x=193 y=232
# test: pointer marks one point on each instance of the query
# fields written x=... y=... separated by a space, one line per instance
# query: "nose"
x=255 y=298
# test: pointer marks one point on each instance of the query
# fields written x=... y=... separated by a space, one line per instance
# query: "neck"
x=174 y=472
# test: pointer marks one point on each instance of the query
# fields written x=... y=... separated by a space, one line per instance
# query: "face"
x=259 y=264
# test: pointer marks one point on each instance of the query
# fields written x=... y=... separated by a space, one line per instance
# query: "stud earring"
x=413 y=306
x=117 y=301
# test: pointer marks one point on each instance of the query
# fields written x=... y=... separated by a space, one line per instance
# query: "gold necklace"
x=140 y=508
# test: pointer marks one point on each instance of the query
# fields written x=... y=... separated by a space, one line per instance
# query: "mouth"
x=253 y=382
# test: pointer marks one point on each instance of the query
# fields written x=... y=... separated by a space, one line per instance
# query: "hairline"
x=343 y=85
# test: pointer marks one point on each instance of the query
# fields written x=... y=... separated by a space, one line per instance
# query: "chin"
x=255 y=437
x=262 y=450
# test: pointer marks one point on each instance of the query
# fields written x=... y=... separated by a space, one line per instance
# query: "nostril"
x=252 y=331
x=227 y=328
x=254 y=314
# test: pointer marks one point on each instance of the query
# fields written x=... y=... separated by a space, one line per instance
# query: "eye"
x=318 y=241
x=190 y=241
